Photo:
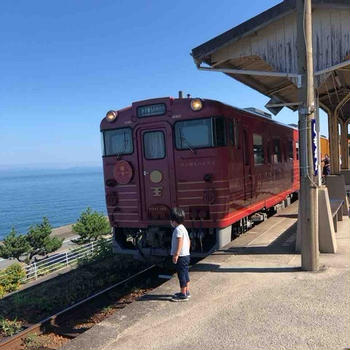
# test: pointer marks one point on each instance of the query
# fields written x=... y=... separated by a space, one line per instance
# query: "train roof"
x=250 y=110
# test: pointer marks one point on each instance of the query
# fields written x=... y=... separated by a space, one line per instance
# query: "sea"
x=26 y=196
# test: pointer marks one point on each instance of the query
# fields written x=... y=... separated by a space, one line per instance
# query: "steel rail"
x=11 y=342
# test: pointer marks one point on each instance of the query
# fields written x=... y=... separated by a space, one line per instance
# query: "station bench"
x=337 y=211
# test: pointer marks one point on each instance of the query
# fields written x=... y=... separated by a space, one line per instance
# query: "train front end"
x=138 y=149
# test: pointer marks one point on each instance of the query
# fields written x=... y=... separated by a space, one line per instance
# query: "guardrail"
x=61 y=260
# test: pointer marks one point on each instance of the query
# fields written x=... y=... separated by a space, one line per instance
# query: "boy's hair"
x=177 y=215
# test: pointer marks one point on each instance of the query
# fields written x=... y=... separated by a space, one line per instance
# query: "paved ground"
x=250 y=295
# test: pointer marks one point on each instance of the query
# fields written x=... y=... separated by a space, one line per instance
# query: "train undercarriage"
x=153 y=243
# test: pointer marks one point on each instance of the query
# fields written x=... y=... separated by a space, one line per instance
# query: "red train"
x=225 y=166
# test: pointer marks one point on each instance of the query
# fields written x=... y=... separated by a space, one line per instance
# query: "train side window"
x=277 y=156
x=285 y=150
x=297 y=149
x=245 y=148
x=290 y=150
x=220 y=132
x=258 y=149
x=231 y=135
x=154 y=144
x=236 y=132
x=233 y=132
x=268 y=151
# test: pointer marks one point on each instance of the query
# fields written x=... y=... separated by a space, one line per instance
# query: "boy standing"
x=180 y=251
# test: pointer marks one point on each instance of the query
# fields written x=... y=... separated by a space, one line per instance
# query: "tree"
x=91 y=226
x=40 y=241
x=14 y=246
x=25 y=247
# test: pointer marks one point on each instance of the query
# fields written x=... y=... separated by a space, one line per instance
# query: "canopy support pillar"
x=344 y=146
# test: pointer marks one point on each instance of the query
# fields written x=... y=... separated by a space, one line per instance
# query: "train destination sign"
x=151 y=110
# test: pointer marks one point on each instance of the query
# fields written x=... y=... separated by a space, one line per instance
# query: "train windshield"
x=117 y=141
x=200 y=133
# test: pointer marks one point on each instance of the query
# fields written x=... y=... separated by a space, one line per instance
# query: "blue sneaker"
x=188 y=294
x=179 y=297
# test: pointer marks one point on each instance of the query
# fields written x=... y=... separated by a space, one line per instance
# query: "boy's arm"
x=180 y=241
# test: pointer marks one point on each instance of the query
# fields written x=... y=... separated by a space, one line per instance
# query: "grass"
x=35 y=303
x=9 y=328
x=36 y=342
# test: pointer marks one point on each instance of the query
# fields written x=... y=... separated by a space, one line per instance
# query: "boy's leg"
x=180 y=267
x=187 y=276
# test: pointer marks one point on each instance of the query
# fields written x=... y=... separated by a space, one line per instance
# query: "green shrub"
x=90 y=226
x=9 y=328
x=15 y=273
x=11 y=279
x=36 y=342
x=102 y=249
x=31 y=341
x=2 y=290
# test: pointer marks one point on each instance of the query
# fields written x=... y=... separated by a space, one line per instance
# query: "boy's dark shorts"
x=182 y=270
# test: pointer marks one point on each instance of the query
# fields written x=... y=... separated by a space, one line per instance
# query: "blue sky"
x=64 y=63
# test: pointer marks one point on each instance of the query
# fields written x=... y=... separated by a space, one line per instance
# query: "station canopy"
x=268 y=42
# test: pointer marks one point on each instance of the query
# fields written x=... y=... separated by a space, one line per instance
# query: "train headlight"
x=111 y=116
x=196 y=104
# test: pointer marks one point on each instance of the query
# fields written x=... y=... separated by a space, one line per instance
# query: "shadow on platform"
x=289 y=216
x=217 y=268
x=148 y=297
x=283 y=244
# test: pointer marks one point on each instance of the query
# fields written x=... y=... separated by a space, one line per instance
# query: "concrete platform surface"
x=250 y=295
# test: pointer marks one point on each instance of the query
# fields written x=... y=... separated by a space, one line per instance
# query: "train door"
x=156 y=167
x=247 y=167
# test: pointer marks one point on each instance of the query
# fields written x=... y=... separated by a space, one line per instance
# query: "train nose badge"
x=123 y=172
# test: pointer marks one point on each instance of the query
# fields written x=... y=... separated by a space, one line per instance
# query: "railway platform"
x=249 y=295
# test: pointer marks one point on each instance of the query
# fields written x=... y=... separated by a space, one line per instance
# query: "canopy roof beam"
x=254 y=72
x=333 y=68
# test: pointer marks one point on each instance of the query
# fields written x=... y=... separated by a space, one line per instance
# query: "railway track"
x=16 y=341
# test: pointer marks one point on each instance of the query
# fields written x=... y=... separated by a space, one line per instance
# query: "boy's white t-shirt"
x=180 y=231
